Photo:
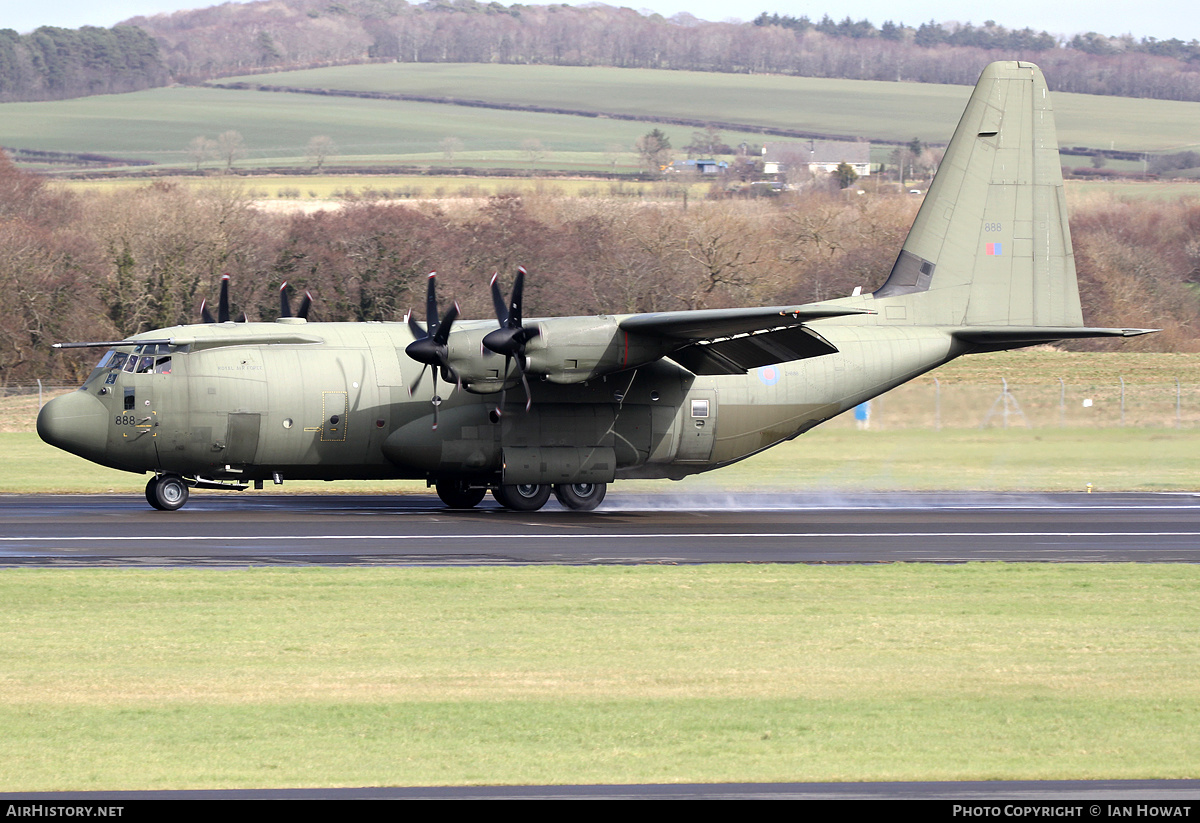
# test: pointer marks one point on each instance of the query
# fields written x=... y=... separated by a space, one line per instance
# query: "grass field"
x=258 y=678
x=158 y=124
x=872 y=109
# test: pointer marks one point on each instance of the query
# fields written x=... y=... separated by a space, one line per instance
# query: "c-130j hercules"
x=987 y=265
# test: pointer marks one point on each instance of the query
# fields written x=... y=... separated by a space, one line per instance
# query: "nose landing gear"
x=166 y=492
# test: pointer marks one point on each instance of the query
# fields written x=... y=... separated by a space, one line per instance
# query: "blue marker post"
x=862 y=415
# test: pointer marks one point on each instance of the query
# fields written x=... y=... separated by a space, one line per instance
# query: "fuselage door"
x=697 y=426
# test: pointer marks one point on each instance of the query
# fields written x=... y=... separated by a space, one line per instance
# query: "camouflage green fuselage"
x=340 y=409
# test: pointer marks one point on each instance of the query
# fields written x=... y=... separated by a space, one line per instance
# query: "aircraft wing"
x=709 y=324
x=733 y=341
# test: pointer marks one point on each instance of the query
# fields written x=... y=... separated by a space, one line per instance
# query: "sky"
x=1162 y=19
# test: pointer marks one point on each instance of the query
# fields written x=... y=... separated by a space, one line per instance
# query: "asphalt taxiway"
x=280 y=529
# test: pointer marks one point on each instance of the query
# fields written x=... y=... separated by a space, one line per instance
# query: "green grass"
x=158 y=124
x=875 y=110
x=125 y=679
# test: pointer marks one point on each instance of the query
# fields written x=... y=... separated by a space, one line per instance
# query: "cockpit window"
x=163 y=366
x=118 y=360
x=145 y=365
x=130 y=364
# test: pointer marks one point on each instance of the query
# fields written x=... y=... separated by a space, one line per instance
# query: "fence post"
x=937 y=405
x=39 y=394
x=1062 y=403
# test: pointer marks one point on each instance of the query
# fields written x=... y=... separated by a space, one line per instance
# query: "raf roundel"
x=769 y=375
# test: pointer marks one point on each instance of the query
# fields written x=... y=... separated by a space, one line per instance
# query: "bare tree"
x=320 y=149
x=231 y=148
x=201 y=150
x=534 y=150
x=450 y=147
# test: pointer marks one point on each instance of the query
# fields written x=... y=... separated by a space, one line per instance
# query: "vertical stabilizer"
x=990 y=245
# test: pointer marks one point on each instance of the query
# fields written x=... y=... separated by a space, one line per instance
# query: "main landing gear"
x=166 y=492
x=525 y=497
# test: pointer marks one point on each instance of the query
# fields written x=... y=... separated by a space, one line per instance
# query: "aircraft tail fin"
x=990 y=245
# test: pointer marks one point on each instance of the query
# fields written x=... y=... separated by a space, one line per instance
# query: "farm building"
x=817 y=155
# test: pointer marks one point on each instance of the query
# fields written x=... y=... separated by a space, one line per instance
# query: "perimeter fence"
x=933 y=403
x=925 y=403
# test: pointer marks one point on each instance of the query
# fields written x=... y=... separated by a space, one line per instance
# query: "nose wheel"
x=166 y=492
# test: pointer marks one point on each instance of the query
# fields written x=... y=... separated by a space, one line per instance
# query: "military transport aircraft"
x=988 y=265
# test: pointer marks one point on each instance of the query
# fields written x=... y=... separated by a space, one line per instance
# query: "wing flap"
x=737 y=355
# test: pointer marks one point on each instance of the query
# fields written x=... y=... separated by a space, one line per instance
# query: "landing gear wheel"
x=581 y=497
x=458 y=495
x=524 y=498
x=167 y=493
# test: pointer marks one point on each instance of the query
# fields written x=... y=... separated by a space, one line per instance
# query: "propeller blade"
x=431 y=312
x=498 y=301
x=416 y=383
x=205 y=314
x=285 y=305
x=305 y=305
x=223 y=301
x=525 y=383
x=518 y=292
x=443 y=330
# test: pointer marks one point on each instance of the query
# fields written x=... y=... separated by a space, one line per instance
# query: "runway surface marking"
x=594 y=536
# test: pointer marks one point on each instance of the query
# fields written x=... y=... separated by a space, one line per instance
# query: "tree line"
x=242 y=38
x=272 y=35
x=97 y=266
x=55 y=64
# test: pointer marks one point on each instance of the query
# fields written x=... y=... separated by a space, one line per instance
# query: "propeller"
x=510 y=339
x=285 y=308
x=430 y=344
x=285 y=304
x=222 y=305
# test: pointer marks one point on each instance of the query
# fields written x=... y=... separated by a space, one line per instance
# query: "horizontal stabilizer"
x=1004 y=337
x=737 y=355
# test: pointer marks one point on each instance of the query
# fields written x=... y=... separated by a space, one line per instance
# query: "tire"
x=458 y=495
x=152 y=492
x=170 y=493
x=580 y=497
x=523 y=498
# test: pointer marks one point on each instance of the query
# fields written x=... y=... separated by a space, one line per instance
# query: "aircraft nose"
x=76 y=422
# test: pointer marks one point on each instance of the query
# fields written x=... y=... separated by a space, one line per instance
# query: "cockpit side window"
x=162 y=365
x=145 y=364
x=118 y=360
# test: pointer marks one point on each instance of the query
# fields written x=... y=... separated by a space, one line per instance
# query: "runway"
x=227 y=530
